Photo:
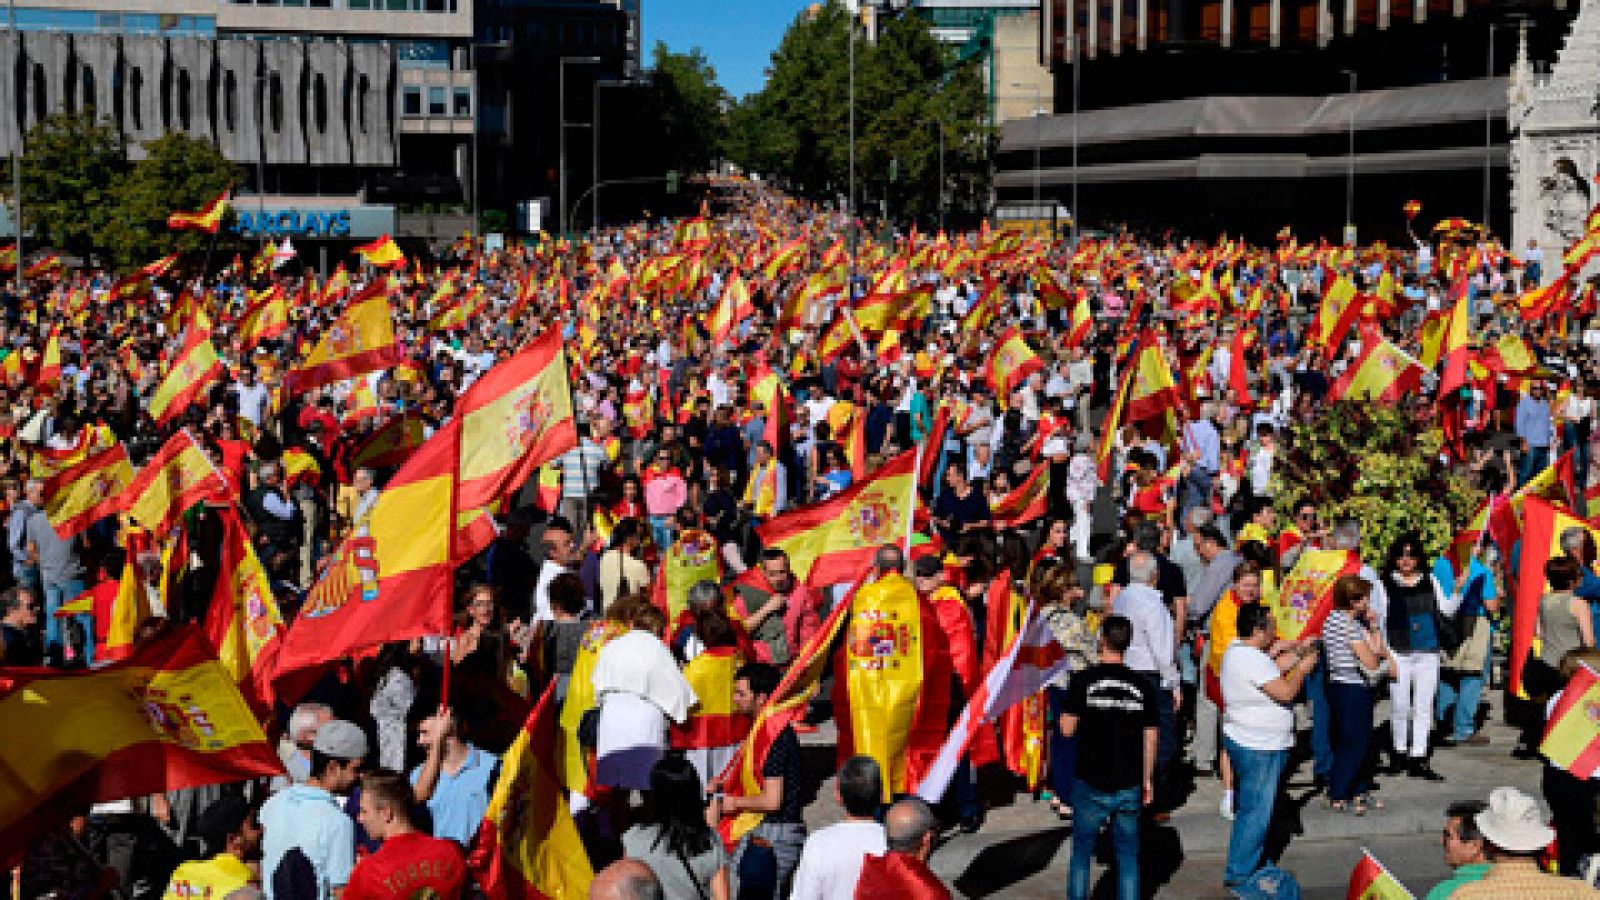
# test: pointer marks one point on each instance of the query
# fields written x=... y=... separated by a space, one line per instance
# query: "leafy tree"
x=909 y=88
x=70 y=165
x=690 y=108
x=1379 y=466
x=178 y=172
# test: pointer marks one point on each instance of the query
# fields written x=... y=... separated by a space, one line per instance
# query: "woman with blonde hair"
x=1054 y=590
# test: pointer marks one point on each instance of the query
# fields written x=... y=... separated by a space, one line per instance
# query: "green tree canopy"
x=691 y=108
x=909 y=88
x=70 y=167
x=179 y=172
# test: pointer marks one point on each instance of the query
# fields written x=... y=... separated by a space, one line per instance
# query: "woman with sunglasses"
x=1414 y=628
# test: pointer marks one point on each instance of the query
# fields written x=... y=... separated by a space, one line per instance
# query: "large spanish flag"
x=391 y=577
x=733 y=307
x=515 y=418
x=176 y=478
x=528 y=845
x=713 y=721
x=1382 y=373
x=1453 y=348
x=47 y=462
x=361 y=340
x=572 y=763
x=891 y=689
x=1341 y=306
x=1009 y=364
x=1572 y=734
x=244 y=623
x=88 y=492
x=830 y=542
x=267 y=319
x=787 y=704
x=391 y=445
x=1542 y=525
x=165 y=718
x=1306 y=597
x=1026 y=502
x=208 y=219
x=193 y=371
x=382 y=253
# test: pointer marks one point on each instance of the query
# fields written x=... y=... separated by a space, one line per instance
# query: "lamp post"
x=1076 y=69
x=594 y=133
x=852 y=11
x=16 y=149
x=1038 y=138
x=1350 y=165
x=938 y=127
x=261 y=157
x=561 y=91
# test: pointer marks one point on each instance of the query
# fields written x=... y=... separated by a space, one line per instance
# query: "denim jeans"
x=1321 y=721
x=1533 y=462
x=1352 y=731
x=1256 y=774
x=1461 y=690
x=55 y=637
x=661 y=532
x=1063 y=750
x=1091 y=810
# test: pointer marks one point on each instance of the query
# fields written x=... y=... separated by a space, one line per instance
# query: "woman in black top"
x=721 y=511
x=961 y=508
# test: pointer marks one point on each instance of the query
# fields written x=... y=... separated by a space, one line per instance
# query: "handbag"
x=689 y=870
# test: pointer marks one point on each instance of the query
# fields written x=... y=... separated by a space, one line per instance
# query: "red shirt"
x=233 y=459
x=406 y=866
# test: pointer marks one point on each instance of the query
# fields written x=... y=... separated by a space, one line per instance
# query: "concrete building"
x=1004 y=36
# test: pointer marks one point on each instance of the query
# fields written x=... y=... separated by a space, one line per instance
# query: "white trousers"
x=1079 y=530
x=1411 y=694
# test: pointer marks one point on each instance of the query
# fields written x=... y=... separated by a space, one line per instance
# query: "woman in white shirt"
x=639 y=688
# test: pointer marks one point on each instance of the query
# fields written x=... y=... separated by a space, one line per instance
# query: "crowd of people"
x=1153 y=554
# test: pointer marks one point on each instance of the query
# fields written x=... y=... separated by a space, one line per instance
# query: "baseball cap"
x=341 y=740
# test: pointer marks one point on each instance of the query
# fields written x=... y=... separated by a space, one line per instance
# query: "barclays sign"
x=314 y=222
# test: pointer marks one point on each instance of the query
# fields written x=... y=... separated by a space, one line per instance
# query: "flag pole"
x=911 y=505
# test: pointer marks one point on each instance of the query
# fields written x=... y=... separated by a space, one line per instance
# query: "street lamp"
x=561 y=91
x=938 y=127
x=16 y=149
x=1039 y=113
x=1350 y=166
x=1077 y=68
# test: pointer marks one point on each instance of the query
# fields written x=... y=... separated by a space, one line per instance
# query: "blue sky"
x=737 y=35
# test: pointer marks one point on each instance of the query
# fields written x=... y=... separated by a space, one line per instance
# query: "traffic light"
x=672 y=181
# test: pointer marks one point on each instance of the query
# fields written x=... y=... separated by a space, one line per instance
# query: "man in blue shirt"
x=1467 y=669
x=1534 y=430
x=306 y=834
x=1202 y=447
x=456 y=779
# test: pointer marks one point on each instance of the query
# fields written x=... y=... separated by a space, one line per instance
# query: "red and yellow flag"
x=512 y=420
x=1370 y=880
x=391 y=445
x=1572 y=734
x=361 y=340
x=90 y=491
x=713 y=721
x=832 y=541
x=267 y=319
x=528 y=845
x=208 y=219
x=192 y=373
x=1306 y=597
x=1340 y=308
x=1009 y=365
x=166 y=718
x=1542 y=526
x=243 y=623
x=382 y=253
x=891 y=693
x=692 y=558
x=176 y=478
x=733 y=307
x=47 y=462
x=1026 y=502
x=1453 y=347
x=49 y=377
x=1382 y=373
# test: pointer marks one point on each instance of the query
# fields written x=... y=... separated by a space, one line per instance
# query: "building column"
x=1116 y=27
x=1227 y=23
x=1419 y=12
x=1142 y=28
x=1458 y=8
x=1350 y=17
x=1324 y=23
x=1094 y=26
x=1383 y=14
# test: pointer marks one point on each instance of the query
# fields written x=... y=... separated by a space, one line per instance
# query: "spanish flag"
x=1382 y=372
x=390 y=445
x=391 y=577
x=168 y=717
x=243 y=622
x=267 y=319
x=1371 y=881
x=300 y=467
x=785 y=259
x=891 y=693
x=528 y=845
x=382 y=253
x=572 y=763
x=733 y=307
x=830 y=542
x=692 y=558
x=713 y=721
x=361 y=340
x=48 y=462
x=176 y=478
x=514 y=419
x=1147 y=391
x=160 y=267
x=1572 y=735
x=192 y=373
x=692 y=234
x=1009 y=365
x=1082 y=320
x=898 y=311
x=1341 y=305
x=743 y=776
x=1542 y=526
x=89 y=491
x=1306 y=597
x=208 y=219
x=49 y=377
x=130 y=605
x=1026 y=502
x=1453 y=347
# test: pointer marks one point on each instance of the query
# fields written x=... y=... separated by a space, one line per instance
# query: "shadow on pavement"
x=999 y=866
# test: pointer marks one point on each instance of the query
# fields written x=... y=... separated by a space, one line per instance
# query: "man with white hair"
x=1150 y=653
x=295 y=747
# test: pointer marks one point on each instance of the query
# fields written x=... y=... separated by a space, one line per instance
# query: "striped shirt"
x=1338 y=633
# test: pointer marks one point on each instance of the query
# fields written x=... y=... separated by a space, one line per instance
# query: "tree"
x=909 y=89
x=179 y=172
x=70 y=165
x=1378 y=465
x=690 y=107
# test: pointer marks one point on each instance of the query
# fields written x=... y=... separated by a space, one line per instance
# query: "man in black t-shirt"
x=1111 y=711
x=782 y=828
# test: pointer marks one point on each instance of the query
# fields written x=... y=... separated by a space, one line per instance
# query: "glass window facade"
x=84 y=21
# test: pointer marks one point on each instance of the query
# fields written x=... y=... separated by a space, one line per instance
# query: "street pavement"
x=1023 y=850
